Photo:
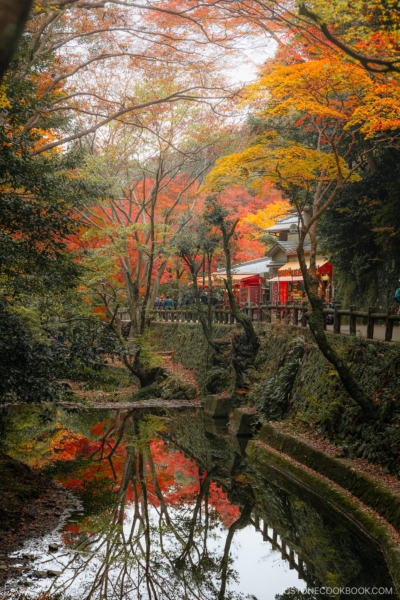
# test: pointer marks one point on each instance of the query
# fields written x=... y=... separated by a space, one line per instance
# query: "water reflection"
x=172 y=510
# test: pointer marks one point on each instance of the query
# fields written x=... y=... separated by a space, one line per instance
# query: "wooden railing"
x=298 y=314
x=190 y=315
x=295 y=314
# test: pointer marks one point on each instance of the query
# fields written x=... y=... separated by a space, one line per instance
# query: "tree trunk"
x=13 y=14
x=317 y=329
x=240 y=317
x=240 y=523
x=156 y=285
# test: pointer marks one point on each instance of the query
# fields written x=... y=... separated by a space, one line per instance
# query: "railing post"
x=283 y=550
x=296 y=313
x=268 y=316
x=370 y=324
x=304 y=315
x=226 y=315
x=336 y=320
x=287 y=313
x=352 y=320
x=300 y=568
x=324 y=320
x=274 y=539
x=389 y=325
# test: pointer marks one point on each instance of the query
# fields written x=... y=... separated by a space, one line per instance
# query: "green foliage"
x=38 y=272
x=361 y=233
x=28 y=366
x=272 y=397
x=107 y=378
x=89 y=340
x=144 y=346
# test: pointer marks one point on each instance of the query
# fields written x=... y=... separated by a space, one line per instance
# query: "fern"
x=272 y=397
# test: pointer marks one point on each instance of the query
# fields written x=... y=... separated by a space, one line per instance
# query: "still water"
x=168 y=508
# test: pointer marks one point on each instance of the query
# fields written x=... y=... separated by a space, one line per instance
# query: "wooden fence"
x=295 y=314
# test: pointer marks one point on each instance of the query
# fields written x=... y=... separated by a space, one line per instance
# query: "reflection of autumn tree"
x=154 y=542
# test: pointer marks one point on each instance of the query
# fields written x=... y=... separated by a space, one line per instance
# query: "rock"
x=147 y=393
x=173 y=388
x=243 y=421
x=40 y=574
x=218 y=407
x=53 y=547
x=217 y=380
x=216 y=426
x=3 y=567
x=239 y=444
x=53 y=573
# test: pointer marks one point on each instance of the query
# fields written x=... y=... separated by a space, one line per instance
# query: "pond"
x=169 y=508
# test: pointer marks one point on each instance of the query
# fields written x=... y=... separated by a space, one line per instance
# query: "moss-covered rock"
x=173 y=387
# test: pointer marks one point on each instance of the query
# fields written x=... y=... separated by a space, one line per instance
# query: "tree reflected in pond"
x=158 y=538
x=172 y=508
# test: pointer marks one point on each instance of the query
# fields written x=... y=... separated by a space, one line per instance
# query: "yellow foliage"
x=269 y=215
x=327 y=97
x=287 y=165
x=327 y=91
x=4 y=101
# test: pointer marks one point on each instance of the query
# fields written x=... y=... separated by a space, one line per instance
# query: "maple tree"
x=256 y=211
x=154 y=176
x=328 y=101
x=368 y=34
x=90 y=43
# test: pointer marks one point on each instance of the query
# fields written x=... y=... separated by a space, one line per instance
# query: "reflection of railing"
x=292 y=555
x=305 y=570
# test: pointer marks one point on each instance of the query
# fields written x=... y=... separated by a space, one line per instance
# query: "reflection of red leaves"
x=179 y=478
x=99 y=428
x=69 y=533
x=72 y=528
x=218 y=499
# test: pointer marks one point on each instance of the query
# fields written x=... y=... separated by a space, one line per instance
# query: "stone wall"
x=317 y=399
x=304 y=388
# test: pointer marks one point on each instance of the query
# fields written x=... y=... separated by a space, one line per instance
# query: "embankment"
x=294 y=382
